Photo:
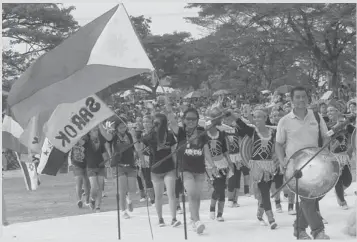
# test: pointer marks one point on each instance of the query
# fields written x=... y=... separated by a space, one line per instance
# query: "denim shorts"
x=78 y=171
x=95 y=172
x=160 y=177
x=125 y=171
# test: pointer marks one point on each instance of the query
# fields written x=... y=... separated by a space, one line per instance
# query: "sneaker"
x=302 y=235
x=199 y=227
x=97 y=210
x=125 y=215
x=236 y=205
x=165 y=193
x=262 y=222
x=142 y=199
x=220 y=219
x=212 y=215
x=162 y=222
x=273 y=225
x=322 y=235
x=278 y=209
x=230 y=204
x=179 y=210
x=80 y=204
x=175 y=223
x=344 y=206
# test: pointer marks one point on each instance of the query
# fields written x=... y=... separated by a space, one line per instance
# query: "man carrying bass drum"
x=297 y=130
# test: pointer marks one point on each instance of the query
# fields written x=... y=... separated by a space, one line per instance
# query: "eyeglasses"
x=190 y=119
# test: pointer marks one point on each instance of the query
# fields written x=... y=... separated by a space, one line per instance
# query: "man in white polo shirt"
x=297 y=130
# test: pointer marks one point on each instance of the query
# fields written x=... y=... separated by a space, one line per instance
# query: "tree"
x=283 y=38
x=39 y=27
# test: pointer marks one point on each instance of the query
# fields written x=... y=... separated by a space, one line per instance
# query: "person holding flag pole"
x=191 y=160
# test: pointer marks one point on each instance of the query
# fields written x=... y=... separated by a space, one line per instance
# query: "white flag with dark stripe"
x=29 y=172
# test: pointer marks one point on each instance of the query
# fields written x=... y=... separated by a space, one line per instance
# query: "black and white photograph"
x=176 y=120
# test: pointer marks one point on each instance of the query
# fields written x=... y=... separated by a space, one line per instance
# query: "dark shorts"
x=245 y=170
x=96 y=172
x=234 y=181
x=78 y=171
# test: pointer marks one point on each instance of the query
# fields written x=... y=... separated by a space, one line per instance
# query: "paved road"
x=56 y=197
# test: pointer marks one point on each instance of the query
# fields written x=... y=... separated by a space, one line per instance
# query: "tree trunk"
x=334 y=81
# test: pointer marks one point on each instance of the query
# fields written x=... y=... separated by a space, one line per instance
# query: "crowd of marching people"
x=167 y=152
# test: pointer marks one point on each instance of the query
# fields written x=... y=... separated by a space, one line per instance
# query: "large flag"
x=29 y=172
x=103 y=52
x=70 y=121
x=51 y=159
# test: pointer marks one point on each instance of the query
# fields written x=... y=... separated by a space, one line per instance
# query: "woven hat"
x=339 y=105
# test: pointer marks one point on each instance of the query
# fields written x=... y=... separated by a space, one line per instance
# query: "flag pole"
x=117 y=196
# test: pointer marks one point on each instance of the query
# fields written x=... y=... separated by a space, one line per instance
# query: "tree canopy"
x=280 y=43
x=31 y=30
x=251 y=46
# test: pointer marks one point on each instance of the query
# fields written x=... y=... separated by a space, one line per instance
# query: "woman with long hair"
x=162 y=143
x=191 y=160
x=339 y=147
x=122 y=153
x=145 y=162
x=77 y=158
x=94 y=148
x=262 y=165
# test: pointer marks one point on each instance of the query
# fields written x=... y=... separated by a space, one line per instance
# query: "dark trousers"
x=309 y=216
x=278 y=180
x=147 y=178
x=234 y=181
x=178 y=187
x=219 y=188
x=264 y=188
x=344 y=181
x=140 y=183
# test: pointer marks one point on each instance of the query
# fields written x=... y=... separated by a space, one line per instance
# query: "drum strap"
x=319 y=141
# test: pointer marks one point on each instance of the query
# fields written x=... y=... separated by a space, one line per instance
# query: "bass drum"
x=318 y=177
x=246 y=148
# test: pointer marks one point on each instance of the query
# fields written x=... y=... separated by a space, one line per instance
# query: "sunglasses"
x=190 y=119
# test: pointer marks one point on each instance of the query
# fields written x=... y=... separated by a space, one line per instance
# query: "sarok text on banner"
x=70 y=121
